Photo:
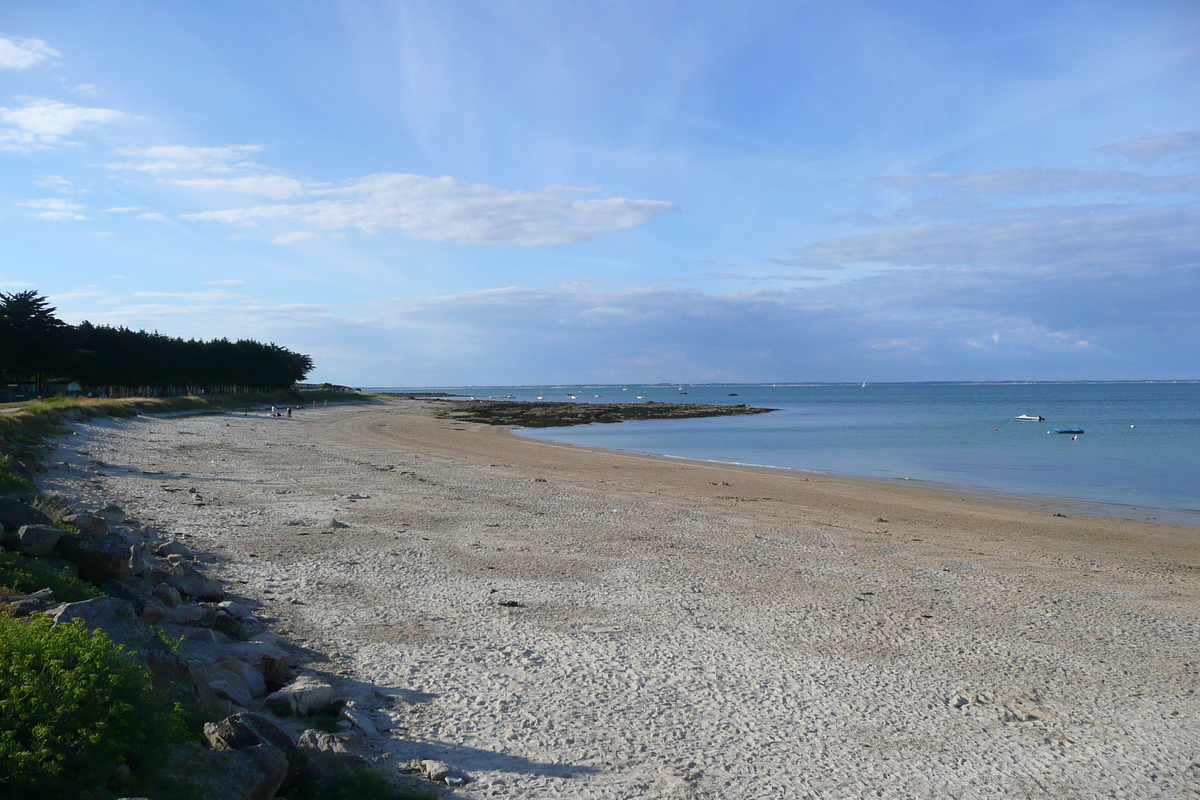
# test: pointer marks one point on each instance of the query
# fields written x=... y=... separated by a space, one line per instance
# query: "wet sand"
x=565 y=622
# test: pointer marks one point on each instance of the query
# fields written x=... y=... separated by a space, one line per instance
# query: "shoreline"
x=1185 y=518
x=566 y=622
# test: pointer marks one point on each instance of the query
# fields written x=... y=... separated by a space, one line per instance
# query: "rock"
x=137 y=556
x=99 y=556
x=247 y=729
x=320 y=740
x=335 y=525
x=358 y=718
x=187 y=580
x=301 y=697
x=235 y=609
x=249 y=675
x=21 y=469
x=114 y=515
x=231 y=687
x=38 y=540
x=272 y=663
x=251 y=773
x=117 y=618
x=14 y=514
x=153 y=612
x=24 y=605
x=441 y=772
x=174 y=548
x=167 y=595
x=186 y=614
x=89 y=523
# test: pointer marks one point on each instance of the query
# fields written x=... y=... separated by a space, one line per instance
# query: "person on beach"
x=289 y=412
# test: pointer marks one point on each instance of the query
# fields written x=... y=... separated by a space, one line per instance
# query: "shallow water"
x=1140 y=449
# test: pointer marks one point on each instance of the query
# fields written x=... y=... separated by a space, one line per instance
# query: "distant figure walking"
x=274 y=413
x=289 y=412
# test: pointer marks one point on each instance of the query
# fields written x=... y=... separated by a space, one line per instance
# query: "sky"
x=528 y=192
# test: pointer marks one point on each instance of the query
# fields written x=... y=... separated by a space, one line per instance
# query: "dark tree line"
x=37 y=347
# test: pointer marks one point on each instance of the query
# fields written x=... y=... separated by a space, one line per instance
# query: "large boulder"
x=38 y=540
x=273 y=663
x=14 y=514
x=301 y=697
x=87 y=522
x=99 y=556
x=117 y=618
x=23 y=605
x=247 y=729
x=251 y=773
x=186 y=580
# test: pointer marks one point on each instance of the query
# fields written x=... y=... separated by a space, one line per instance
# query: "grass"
x=22 y=575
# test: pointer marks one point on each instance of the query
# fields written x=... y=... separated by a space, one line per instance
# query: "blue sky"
x=535 y=192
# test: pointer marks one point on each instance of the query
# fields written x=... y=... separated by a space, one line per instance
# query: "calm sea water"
x=1139 y=455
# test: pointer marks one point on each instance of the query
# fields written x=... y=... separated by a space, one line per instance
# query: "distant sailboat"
x=864 y=384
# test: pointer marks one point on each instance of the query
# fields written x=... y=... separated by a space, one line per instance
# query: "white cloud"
x=293 y=238
x=86 y=89
x=54 y=209
x=447 y=210
x=23 y=54
x=16 y=284
x=122 y=209
x=561 y=189
x=175 y=158
x=42 y=122
x=152 y=216
x=1150 y=149
x=230 y=282
x=276 y=187
x=56 y=182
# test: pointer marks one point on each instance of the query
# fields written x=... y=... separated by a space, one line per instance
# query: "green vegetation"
x=74 y=708
x=343 y=781
x=21 y=575
x=38 y=347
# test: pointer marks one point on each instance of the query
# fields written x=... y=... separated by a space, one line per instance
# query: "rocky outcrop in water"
x=549 y=415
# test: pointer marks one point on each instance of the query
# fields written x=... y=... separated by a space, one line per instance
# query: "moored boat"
x=1029 y=418
x=1068 y=430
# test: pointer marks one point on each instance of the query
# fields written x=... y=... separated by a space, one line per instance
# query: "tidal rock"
x=247 y=729
x=99 y=556
x=235 y=609
x=117 y=618
x=185 y=614
x=301 y=697
x=89 y=523
x=187 y=580
x=38 y=540
x=249 y=675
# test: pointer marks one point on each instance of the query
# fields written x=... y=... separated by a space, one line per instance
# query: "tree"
x=31 y=337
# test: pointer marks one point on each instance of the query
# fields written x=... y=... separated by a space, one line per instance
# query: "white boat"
x=1028 y=418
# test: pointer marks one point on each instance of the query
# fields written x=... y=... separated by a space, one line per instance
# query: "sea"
x=1138 y=456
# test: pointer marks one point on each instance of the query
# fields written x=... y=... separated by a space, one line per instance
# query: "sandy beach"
x=564 y=622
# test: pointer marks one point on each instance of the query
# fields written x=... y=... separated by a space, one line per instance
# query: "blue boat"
x=1068 y=430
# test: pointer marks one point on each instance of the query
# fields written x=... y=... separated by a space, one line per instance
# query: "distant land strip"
x=528 y=414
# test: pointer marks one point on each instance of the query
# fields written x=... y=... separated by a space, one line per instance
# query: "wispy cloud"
x=179 y=158
x=448 y=210
x=1151 y=149
x=41 y=123
x=25 y=53
x=56 y=182
x=152 y=216
x=276 y=187
x=293 y=238
x=54 y=209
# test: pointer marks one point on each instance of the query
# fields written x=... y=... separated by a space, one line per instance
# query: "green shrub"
x=23 y=575
x=73 y=707
x=341 y=780
x=11 y=482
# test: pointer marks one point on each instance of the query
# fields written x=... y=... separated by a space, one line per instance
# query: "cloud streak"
x=41 y=123
x=447 y=210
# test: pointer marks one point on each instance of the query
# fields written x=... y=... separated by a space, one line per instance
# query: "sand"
x=565 y=622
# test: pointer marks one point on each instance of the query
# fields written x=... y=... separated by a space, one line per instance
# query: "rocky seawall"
x=553 y=414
